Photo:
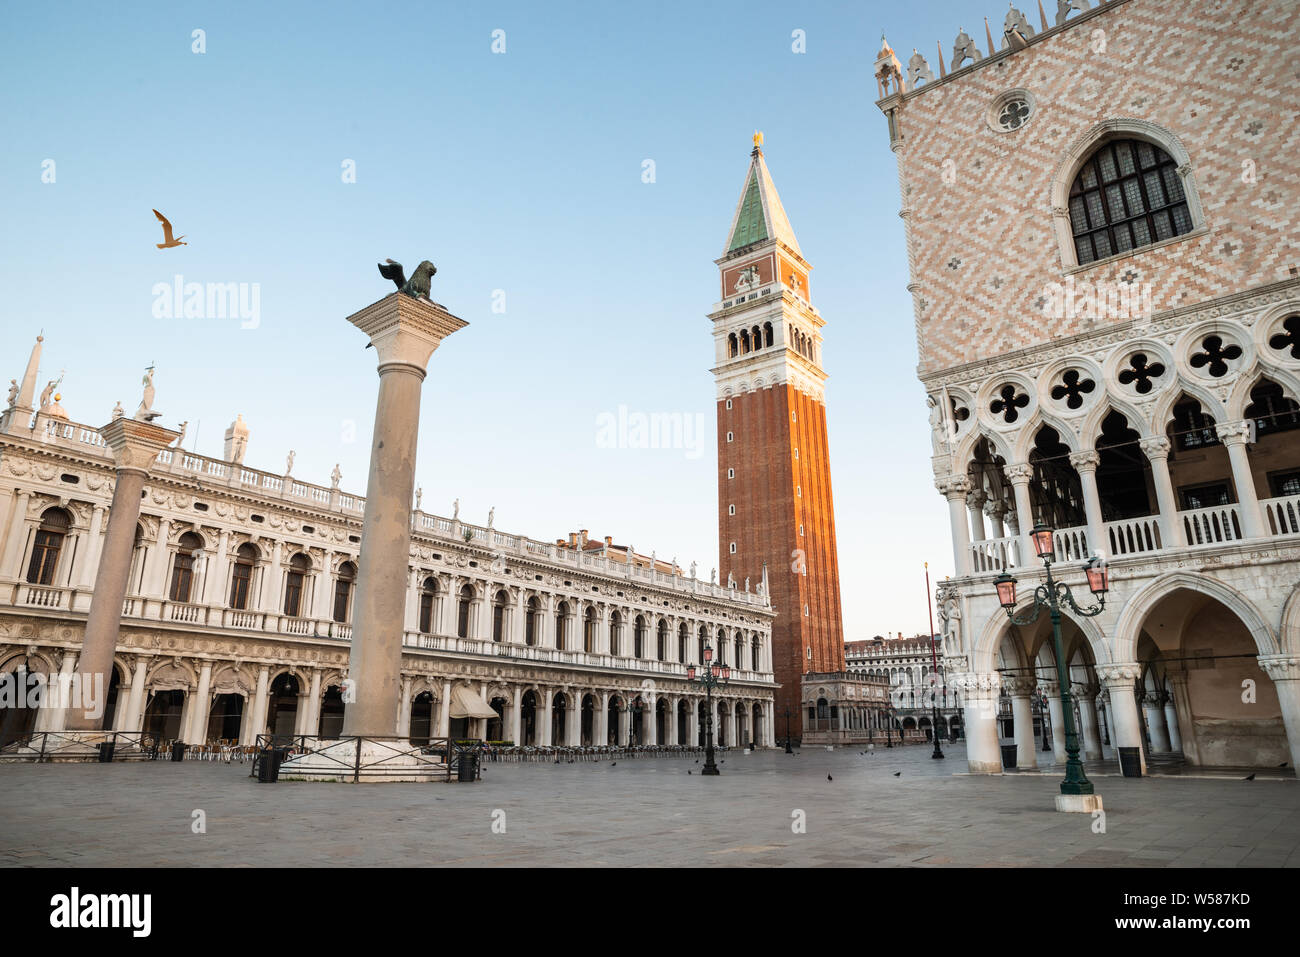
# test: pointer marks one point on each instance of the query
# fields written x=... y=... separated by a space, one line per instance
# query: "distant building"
x=914 y=684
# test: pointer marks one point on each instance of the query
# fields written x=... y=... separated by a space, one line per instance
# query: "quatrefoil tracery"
x=1009 y=403
x=1288 y=338
x=1072 y=389
x=1215 y=356
x=1141 y=373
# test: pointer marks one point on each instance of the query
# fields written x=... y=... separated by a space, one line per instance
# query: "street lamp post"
x=1043 y=716
x=713 y=675
x=1051 y=596
x=934 y=671
x=788 y=739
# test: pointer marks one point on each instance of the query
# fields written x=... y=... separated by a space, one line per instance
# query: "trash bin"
x=467 y=766
x=268 y=764
x=178 y=750
x=105 y=752
x=1130 y=762
x=1008 y=755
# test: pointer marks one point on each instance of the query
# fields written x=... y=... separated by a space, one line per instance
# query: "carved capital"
x=1020 y=687
x=1086 y=461
x=951 y=485
x=1155 y=699
x=1155 y=446
x=1234 y=433
x=976 y=684
x=1280 y=667
x=977 y=498
x=1119 y=673
x=1019 y=474
x=135 y=444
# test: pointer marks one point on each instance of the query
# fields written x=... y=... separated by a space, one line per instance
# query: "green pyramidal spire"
x=760 y=215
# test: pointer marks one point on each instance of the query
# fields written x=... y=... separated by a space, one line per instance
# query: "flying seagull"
x=167 y=233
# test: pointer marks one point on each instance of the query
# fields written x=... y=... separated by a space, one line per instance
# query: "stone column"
x=993 y=511
x=544 y=718
x=135 y=445
x=516 y=716
x=256 y=722
x=1180 y=714
x=1020 y=475
x=312 y=726
x=1284 y=670
x=573 y=729
x=1085 y=464
x=1233 y=435
x=1087 y=697
x=600 y=726
x=980 y=691
x=155 y=578
x=86 y=574
x=444 y=710
x=1021 y=691
x=215 y=590
x=1156 y=449
x=1153 y=703
x=404 y=710
x=404 y=331
x=16 y=542
x=134 y=714
x=975 y=502
x=1057 y=716
x=1126 y=728
x=954 y=489
x=197 y=733
x=60 y=697
x=1171 y=724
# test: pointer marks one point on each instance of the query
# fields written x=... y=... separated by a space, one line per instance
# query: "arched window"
x=530 y=621
x=744 y=340
x=561 y=625
x=704 y=639
x=241 y=576
x=722 y=646
x=49 y=542
x=1126 y=195
x=428 y=602
x=343 y=591
x=739 y=659
x=183 y=567
x=732 y=347
x=758 y=338
x=767 y=333
x=615 y=630
x=682 y=634
x=499 y=616
x=299 y=565
x=753 y=650
x=661 y=641
x=462 y=611
x=638 y=638
x=589 y=630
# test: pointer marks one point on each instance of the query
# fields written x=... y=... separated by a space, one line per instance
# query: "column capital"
x=1020 y=687
x=976 y=683
x=953 y=486
x=135 y=444
x=1154 y=698
x=977 y=497
x=1280 y=667
x=1119 y=673
x=1085 y=461
x=1155 y=446
x=405 y=330
x=1019 y=474
x=1234 y=433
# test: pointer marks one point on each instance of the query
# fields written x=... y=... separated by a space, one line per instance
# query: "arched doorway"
x=559 y=718
x=225 y=717
x=683 y=713
x=282 y=706
x=612 y=714
x=162 y=718
x=495 y=729
x=661 y=722
x=422 y=719
x=19 y=720
x=588 y=726
x=331 y=713
x=528 y=719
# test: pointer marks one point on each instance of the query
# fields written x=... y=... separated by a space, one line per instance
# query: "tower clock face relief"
x=394 y=484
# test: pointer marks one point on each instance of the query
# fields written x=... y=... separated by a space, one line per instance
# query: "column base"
x=1081 y=803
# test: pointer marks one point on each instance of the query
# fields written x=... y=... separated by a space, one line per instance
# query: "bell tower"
x=775 y=509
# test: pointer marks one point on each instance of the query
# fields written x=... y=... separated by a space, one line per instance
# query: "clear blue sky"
x=518 y=171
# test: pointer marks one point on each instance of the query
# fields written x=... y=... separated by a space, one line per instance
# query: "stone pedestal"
x=1085 y=803
x=405 y=332
x=135 y=445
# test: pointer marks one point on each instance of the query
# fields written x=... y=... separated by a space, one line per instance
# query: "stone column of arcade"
x=404 y=331
x=135 y=444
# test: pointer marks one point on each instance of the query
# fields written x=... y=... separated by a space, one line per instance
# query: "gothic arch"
x=1290 y=623
x=985 y=650
x=1028 y=435
x=1163 y=411
x=1091 y=430
x=965 y=451
x=1129 y=626
x=1239 y=397
x=1083 y=147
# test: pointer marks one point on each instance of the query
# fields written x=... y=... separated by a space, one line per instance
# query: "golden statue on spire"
x=758 y=139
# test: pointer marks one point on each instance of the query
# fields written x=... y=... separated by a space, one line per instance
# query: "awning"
x=466 y=704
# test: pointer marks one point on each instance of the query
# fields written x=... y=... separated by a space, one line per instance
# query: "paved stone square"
x=643 y=812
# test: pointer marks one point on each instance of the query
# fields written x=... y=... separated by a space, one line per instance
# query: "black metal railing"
x=42 y=746
x=343 y=755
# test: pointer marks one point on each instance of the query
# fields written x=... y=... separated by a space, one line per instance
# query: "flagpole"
x=934 y=674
